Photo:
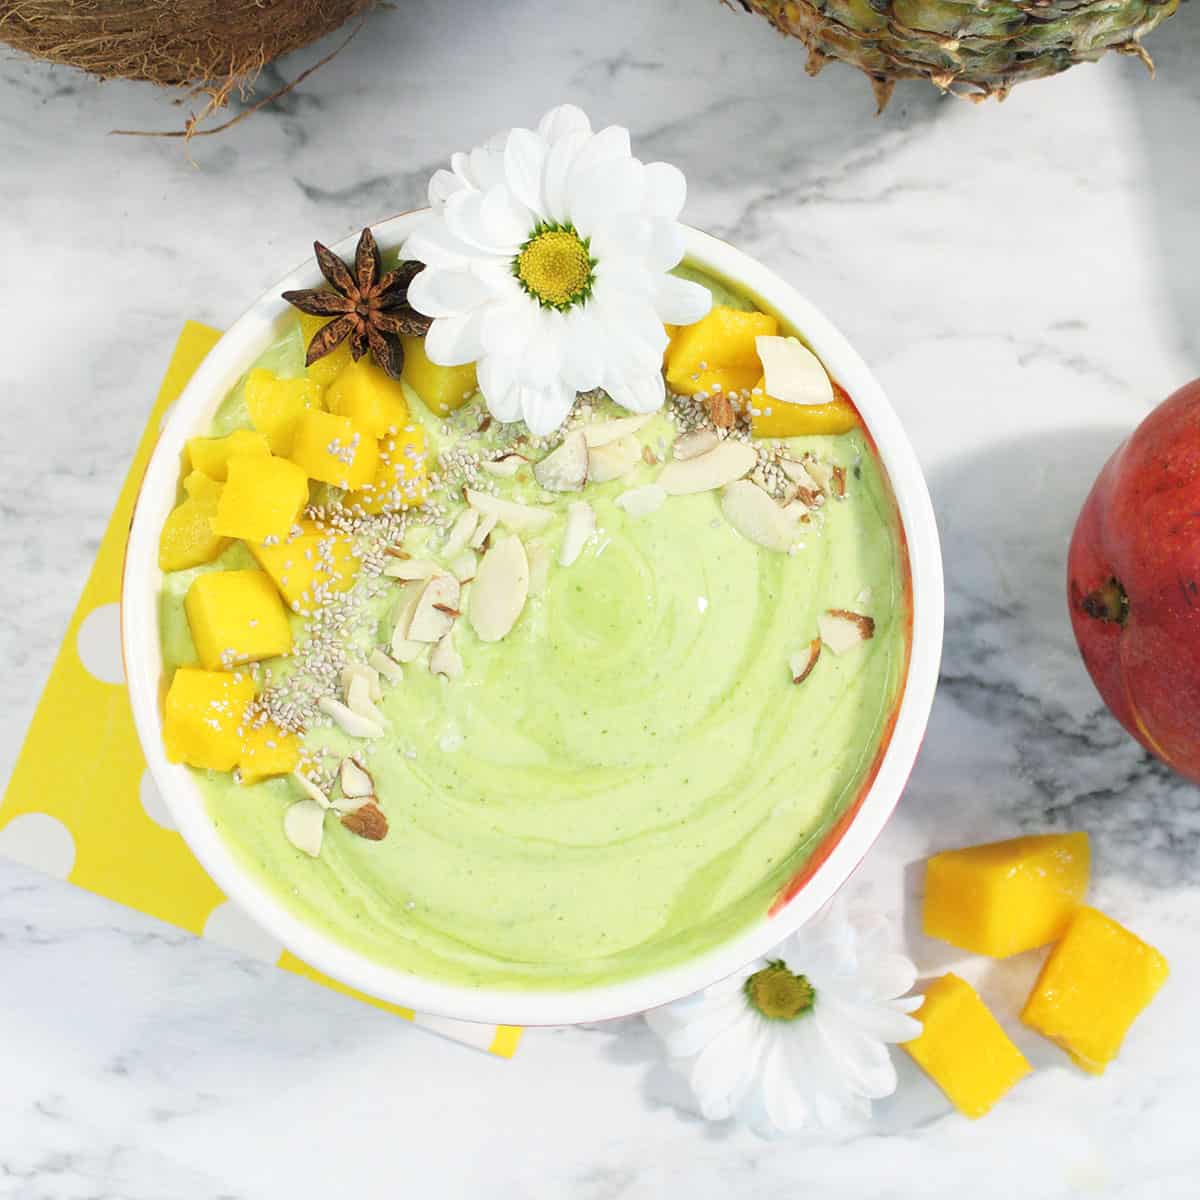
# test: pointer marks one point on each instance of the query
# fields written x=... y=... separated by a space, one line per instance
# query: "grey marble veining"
x=1022 y=277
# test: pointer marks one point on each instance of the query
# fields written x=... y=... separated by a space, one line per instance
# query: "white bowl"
x=830 y=866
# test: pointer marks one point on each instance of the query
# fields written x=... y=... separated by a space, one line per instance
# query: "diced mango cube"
x=372 y=400
x=402 y=480
x=328 y=447
x=265 y=751
x=962 y=1047
x=718 y=349
x=187 y=538
x=1006 y=897
x=442 y=389
x=325 y=370
x=275 y=406
x=1096 y=981
x=262 y=498
x=202 y=715
x=308 y=565
x=212 y=455
x=236 y=617
x=771 y=418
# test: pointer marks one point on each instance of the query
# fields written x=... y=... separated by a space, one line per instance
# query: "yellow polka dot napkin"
x=93 y=816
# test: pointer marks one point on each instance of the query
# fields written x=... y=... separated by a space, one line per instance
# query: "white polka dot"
x=230 y=927
x=99 y=644
x=40 y=841
x=153 y=803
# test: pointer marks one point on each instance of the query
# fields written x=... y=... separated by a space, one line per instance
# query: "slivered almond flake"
x=604 y=432
x=839 y=483
x=797 y=472
x=348 y=720
x=649 y=457
x=387 y=666
x=461 y=532
x=500 y=589
x=691 y=445
x=483 y=531
x=355 y=779
x=564 y=469
x=310 y=789
x=404 y=651
x=727 y=461
x=396 y=552
x=792 y=373
x=613 y=459
x=368 y=673
x=349 y=804
x=367 y=822
x=506 y=466
x=842 y=630
x=642 y=501
x=808 y=497
x=445 y=658
x=358 y=700
x=410 y=568
x=463 y=566
x=821 y=472
x=802 y=662
x=520 y=518
x=434 y=613
x=539 y=557
x=581 y=524
x=756 y=516
x=304 y=826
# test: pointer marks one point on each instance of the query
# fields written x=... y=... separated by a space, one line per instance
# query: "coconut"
x=212 y=47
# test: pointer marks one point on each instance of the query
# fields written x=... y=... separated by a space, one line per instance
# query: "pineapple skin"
x=973 y=48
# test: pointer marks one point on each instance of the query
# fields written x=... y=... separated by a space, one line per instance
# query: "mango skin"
x=236 y=617
x=963 y=1049
x=1091 y=989
x=1007 y=897
x=263 y=498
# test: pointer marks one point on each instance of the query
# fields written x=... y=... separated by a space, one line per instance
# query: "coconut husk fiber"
x=211 y=47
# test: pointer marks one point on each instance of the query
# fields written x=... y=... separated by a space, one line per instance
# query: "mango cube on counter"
x=326 y=369
x=718 y=352
x=402 y=479
x=371 y=400
x=771 y=418
x=328 y=447
x=1096 y=981
x=236 y=617
x=305 y=565
x=275 y=405
x=202 y=715
x=962 y=1047
x=262 y=498
x=187 y=538
x=1006 y=897
x=441 y=389
x=212 y=455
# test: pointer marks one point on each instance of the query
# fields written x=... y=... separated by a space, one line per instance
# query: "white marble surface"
x=1024 y=279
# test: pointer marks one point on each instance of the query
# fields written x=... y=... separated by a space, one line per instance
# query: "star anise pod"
x=370 y=310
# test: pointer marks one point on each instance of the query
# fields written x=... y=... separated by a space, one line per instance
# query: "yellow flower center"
x=779 y=994
x=554 y=267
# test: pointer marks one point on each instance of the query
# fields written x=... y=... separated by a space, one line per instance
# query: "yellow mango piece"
x=962 y=1047
x=442 y=389
x=211 y=455
x=187 y=538
x=1096 y=981
x=307 y=565
x=202 y=715
x=771 y=418
x=328 y=447
x=236 y=617
x=372 y=400
x=265 y=751
x=275 y=406
x=1006 y=897
x=262 y=498
x=719 y=348
x=325 y=370
x=402 y=480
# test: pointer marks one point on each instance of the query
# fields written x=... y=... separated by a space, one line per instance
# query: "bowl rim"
x=220 y=370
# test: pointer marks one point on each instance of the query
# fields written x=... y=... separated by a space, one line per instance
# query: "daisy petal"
x=545 y=409
x=693 y=1035
x=487 y=163
x=609 y=146
x=563 y=121
x=784 y=1101
x=724 y=1069
x=447 y=293
x=863 y=1062
x=666 y=190
x=887 y=976
x=680 y=301
x=524 y=158
x=638 y=393
x=443 y=184
x=582 y=352
x=488 y=221
x=496 y=375
x=665 y=244
x=434 y=245
x=596 y=192
x=454 y=341
x=560 y=158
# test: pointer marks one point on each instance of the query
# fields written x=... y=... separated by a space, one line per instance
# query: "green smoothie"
x=631 y=775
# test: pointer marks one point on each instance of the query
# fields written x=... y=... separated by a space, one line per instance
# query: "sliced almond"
x=436 y=609
x=410 y=568
x=387 y=667
x=349 y=804
x=792 y=373
x=581 y=524
x=369 y=675
x=802 y=662
x=500 y=589
x=756 y=516
x=348 y=720
x=642 y=501
x=613 y=459
x=462 y=566
x=565 y=468
x=723 y=464
x=539 y=557
x=483 y=531
x=721 y=411
x=506 y=466
x=692 y=445
x=445 y=658
x=839 y=483
x=461 y=532
x=355 y=779
x=304 y=826
x=604 y=432
x=797 y=472
x=821 y=472
x=367 y=822
x=310 y=789
x=402 y=615
x=404 y=651
x=842 y=630
x=358 y=699
x=520 y=518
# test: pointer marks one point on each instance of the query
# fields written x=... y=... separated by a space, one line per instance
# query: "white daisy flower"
x=799 y=1040
x=546 y=258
